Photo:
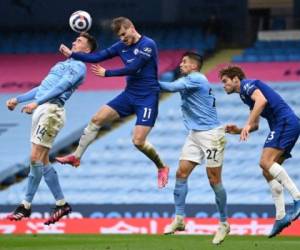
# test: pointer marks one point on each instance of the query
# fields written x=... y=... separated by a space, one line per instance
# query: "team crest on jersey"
x=147 y=50
x=136 y=51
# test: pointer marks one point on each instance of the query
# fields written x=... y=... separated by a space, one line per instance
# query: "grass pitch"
x=143 y=242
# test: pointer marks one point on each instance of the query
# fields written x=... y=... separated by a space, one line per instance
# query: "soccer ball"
x=80 y=21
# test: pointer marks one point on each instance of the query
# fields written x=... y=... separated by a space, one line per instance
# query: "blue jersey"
x=57 y=87
x=140 y=60
x=198 y=103
x=276 y=108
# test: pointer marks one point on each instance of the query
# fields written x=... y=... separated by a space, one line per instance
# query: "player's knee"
x=181 y=174
x=214 y=180
x=265 y=164
x=138 y=142
x=97 y=120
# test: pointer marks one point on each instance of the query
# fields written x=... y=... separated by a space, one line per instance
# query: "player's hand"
x=65 y=50
x=98 y=70
x=232 y=129
x=245 y=133
x=11 y=103
x=29 y=108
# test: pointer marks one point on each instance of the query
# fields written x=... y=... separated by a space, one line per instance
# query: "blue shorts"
x=145 y=107
x=284 y=135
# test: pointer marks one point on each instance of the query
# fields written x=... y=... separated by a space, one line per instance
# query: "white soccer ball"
x=80 y=21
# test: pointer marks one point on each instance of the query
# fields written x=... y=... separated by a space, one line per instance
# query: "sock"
x=151 y=153
x=34 y=179
x=88 y=136
x=279 y=173
x=26 y=204
x=221 y=201
x=51 y=179
x=278 y=198
x=180 y=192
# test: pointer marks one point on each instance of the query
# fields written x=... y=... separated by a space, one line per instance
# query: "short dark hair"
x=195 y=57
x=92 y=42
x=232 y=71
x=119 y=22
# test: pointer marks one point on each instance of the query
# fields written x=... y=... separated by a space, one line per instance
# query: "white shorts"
x=47 y=120
x=208 y=145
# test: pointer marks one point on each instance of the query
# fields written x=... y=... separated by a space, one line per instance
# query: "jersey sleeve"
x=27 y=96
x=143 y=55
x=97 y=56
x=249 y=88
x=72 y=76
x=180 y=84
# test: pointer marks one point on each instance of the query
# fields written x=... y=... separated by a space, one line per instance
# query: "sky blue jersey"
x=276 y=108
x=57 y=87
x=198 y=102
x=140 y=60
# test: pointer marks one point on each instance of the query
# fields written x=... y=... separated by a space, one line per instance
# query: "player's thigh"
x=146 y=109
x=122 y=104
x=213 y=144
x=39 y=153
x=47 y=121
x=191 y=150
x=104 y=115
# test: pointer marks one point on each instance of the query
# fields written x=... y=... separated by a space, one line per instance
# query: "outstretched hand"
x=98 y=70
x=11 y=103
x=29 y=108
x=232 y=129
x=65 y=50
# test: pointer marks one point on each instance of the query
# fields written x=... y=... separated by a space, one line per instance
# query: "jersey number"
x=211 y=154
x=40 y=132
x=271 y=136
x=210 y=93
x=147 y=113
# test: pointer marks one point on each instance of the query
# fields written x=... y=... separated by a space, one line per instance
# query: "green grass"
x=143 y=242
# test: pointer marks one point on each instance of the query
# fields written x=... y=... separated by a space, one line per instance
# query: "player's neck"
x=137 y=37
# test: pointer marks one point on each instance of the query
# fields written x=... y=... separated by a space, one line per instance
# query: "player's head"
x=190 y=62
x=231 y=78
x=125 y=30
x=84 y=43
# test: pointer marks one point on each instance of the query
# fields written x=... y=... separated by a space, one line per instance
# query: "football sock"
x=34 y=179
x=51 y=179
x=279 y=173
x=88 y=136
x=180 y=192
x=151 y=153
x=278 y=198
x=221 y=200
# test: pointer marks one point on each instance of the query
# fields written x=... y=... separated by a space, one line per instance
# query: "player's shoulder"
x=197 y=77
x=147 y=41
x=248 y=84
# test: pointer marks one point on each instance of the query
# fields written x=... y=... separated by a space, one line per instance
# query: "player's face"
x=229 y=84
x=80 y=45
x=127 y=35
x=187 y=66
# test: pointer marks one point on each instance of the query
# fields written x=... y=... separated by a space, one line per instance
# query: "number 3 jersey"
x=276 y=108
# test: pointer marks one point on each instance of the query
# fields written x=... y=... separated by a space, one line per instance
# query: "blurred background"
x=114 y=179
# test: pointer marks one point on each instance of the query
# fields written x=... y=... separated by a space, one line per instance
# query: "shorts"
x=145 y=107
x=47 y=120
x=284 y=135
x=206 y=145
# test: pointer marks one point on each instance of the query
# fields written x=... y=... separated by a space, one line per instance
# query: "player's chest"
x=60 y=68
x=128 y=55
